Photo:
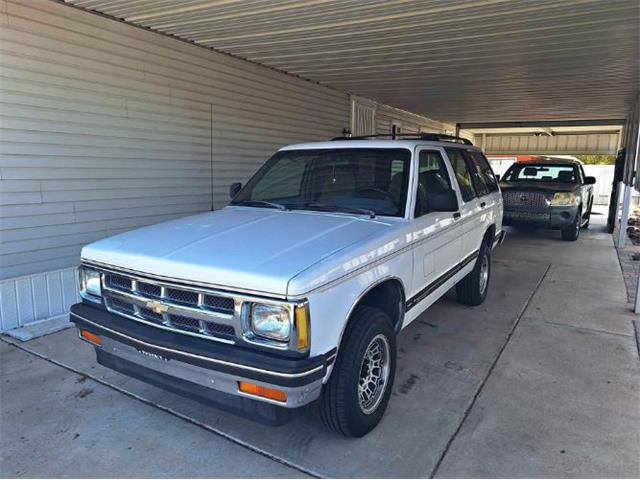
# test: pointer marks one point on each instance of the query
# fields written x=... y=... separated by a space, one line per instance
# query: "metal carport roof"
x=456 y=61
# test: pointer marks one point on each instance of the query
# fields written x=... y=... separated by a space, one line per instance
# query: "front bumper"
x=202 y=369
x=552 y=217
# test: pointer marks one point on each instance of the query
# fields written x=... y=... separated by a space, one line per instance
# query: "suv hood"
x=252 y=249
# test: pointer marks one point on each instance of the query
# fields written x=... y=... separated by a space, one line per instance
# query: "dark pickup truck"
x=552 y=193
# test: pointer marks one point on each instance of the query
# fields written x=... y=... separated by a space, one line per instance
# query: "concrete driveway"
x=542 y=380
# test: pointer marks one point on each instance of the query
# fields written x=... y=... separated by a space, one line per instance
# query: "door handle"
x=483 y=204
x=456 y=215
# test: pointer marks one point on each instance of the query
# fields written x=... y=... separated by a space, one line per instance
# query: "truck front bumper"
x=553 y=218
x=202 y=369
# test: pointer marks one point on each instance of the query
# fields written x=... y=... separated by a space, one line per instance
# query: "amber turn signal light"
x=302 y=326
x=91 y=337
x=260 y=391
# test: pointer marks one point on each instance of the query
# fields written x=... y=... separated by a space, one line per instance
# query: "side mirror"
x=443 y=201
x=234 y=189
x=497 y=177
x=589 y=180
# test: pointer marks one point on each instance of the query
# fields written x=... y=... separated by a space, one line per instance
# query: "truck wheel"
x=472 y=289
x=588 y=219
x=570 y=232
x=356 y=396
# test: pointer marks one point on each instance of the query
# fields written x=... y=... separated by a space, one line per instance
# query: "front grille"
x=183 y=297
x=118 y=282
x=121 y=306
x=149 y=289
x=525 y=199
x=185 y=323
x=218 y=329
x=170 y=306
x=150 y=315
x=219 y=304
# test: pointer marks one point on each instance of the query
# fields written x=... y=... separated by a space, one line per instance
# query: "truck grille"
x=175 y=308
x=516 y=198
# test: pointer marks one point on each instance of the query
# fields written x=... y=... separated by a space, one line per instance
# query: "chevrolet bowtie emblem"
x=157 y=307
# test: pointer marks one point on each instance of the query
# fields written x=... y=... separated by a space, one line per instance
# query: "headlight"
x=271 y=321
x=565 y=198
x=90 y=288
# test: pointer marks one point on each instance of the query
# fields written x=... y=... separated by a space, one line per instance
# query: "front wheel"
x=571 y=232
x=356 y=396
x=472 y=289
x=588 y=219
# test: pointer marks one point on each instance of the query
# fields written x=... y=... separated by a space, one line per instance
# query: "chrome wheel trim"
x=374 y=374
x=484 y=273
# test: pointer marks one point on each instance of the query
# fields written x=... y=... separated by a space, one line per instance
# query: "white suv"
x=297 y=289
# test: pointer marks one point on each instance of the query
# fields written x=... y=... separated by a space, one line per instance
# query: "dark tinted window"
x=433 y=179
x=461 y=171
x=334 y=179
x=484 y=170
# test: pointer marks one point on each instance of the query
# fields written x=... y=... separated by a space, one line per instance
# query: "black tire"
x=340 y=405
x=571 y=232
x=588 y=219
x=471 y=290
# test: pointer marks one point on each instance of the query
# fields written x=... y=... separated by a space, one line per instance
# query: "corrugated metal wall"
x=106 y=127
x=575 y=144
x=409 y=122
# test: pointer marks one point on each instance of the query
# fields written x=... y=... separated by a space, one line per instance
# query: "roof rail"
x=432 y=137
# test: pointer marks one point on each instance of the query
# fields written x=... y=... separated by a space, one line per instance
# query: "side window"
x=484 y=170
x=462 y=173
x=433 y=182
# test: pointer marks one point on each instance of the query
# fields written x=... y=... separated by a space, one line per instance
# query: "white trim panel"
x=41 y=296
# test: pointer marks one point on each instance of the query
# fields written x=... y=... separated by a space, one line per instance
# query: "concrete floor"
x=542 y=380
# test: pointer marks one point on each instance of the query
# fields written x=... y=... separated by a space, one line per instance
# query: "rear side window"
x=463 y=176
x=484 y=170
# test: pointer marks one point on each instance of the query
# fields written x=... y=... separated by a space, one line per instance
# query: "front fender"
x=330 y=307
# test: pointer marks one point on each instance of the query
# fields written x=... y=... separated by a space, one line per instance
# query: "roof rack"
x=432 y=137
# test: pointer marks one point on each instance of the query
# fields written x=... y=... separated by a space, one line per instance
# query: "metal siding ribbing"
x=106 y=127
x=586 y=143
x=410 y=122
x=458 y=60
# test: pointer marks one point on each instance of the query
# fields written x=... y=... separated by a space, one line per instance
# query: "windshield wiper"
x=260 y=203
x=339 y=208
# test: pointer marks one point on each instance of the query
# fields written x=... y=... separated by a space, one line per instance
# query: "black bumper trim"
x=258 y=411
x=286 y=372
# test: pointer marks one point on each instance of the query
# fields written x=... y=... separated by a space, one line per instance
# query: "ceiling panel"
x=452 y=60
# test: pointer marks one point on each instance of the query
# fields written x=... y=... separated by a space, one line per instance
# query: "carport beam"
x=624 y=220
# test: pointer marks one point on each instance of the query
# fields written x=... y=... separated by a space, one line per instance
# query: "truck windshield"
x=351 y=180
x=541 y=173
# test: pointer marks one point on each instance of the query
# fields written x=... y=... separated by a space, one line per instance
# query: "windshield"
x=352 y=180
x=541 y=173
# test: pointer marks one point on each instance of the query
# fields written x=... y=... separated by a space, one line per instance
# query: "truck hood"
x=539 y=186
x=251 y=249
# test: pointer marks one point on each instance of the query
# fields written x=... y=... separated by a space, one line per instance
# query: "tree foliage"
x=597 y=159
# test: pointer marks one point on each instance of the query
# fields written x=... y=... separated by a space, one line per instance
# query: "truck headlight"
x=565 y=198
x=90 y=285
x=271 y=321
